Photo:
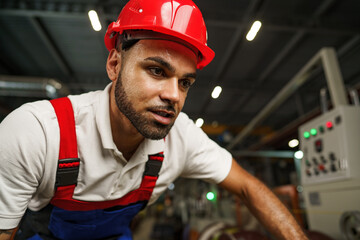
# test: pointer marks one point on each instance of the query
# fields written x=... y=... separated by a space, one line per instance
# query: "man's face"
x=152 y=85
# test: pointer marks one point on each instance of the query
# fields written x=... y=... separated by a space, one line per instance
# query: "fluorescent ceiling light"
x=253 y=30
x=216 y=92
x=199 y=122
x=293 y=143
x=94 y=19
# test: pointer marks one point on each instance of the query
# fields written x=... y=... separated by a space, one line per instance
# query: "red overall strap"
x=68 y=152
x=143 y=193
x=65 y=115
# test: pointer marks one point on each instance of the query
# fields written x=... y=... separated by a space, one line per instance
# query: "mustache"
x=168 y=108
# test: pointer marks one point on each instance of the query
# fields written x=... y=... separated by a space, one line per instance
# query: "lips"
x=164 y=117
x=164 y=113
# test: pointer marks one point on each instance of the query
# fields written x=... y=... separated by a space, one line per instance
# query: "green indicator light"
x=321 y=129
x=306 y=134
x=210 y=196
x=313 y=131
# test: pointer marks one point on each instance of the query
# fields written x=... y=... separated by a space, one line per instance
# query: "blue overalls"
x=73 y=219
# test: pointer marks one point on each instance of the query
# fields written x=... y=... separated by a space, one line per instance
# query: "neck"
x=125 y=136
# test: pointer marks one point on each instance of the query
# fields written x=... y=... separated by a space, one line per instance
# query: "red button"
x=329 y=124
x=321 y=167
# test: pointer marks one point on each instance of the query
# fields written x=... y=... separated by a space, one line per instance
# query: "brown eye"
x=185 y=83
x=156 y=71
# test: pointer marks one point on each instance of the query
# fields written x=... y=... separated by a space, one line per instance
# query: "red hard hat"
x=177 y=18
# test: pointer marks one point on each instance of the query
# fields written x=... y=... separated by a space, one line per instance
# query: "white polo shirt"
x=29 y=150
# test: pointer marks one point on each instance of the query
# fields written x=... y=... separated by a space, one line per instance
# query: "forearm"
x=268 y=209
x=263 y=204
x=7 y=234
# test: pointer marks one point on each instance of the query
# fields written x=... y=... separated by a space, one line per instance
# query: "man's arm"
x=22 y=156
x=7 y=234
x=266 y=207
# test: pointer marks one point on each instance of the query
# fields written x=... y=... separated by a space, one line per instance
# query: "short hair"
x=124 y=43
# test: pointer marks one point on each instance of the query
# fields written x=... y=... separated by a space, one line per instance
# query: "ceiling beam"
x=21 y=48
x=268 y=24
x=289 y=47
x=295 y=41
x=231 y=50
x=285 y=51
x=50 y=46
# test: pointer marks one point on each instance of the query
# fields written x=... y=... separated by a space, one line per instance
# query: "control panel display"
x=326 y=143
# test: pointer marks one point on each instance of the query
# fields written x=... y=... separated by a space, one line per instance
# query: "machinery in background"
x=330 y=167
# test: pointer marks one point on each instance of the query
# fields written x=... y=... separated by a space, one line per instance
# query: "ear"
x=113 y=64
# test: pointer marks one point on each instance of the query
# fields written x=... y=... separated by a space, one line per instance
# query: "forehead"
x=174 y=53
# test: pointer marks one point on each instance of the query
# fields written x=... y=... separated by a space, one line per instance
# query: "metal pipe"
x=333 y=77
x=284 y=93
x=326 y=57
x=262 y=154
x=20 y=86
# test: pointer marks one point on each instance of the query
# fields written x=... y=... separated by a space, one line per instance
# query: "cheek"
x=182 y=100
x=141 y=88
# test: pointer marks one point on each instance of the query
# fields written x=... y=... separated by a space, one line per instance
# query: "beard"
x=148 y=128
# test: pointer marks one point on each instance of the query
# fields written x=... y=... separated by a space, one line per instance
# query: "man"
x=84 y=166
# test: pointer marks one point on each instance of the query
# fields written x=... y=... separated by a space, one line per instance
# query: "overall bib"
x=70 y=219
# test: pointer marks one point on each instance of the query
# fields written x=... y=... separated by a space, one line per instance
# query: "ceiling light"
x=199 y=122
x=94 y=19
x=299 y=154
x=216 y=92
x=293 y=143
x=253 y=30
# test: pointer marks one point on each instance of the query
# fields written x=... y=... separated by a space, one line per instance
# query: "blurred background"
x=285 y=80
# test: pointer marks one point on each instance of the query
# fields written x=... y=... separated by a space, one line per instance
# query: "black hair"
x=127 y=44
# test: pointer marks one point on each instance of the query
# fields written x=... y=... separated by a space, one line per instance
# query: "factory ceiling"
x=54 y=40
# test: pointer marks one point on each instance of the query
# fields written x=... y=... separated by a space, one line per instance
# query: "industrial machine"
x=330 y=167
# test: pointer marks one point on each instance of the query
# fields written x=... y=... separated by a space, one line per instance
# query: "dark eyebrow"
x=190 y=75
x=162 y=62
x=168 y=66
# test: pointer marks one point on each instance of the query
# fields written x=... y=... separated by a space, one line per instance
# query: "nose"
x=170 y=91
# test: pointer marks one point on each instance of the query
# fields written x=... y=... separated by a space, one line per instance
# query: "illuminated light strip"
x=253 y=31
x=94 y=19
x=216 y=92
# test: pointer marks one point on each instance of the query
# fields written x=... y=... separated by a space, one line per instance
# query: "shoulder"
x=27 y=125
x=182 y=125
x=185 y=129
x=186 y=137
x=85 y=100
x=29 y=114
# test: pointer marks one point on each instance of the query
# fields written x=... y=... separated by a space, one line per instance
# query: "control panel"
x=331 y=146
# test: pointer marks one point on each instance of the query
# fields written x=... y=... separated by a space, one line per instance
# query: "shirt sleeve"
x=22 y=151
x=205 y=159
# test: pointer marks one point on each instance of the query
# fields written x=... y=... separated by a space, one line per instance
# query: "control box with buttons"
x=331 y=146
x=330 y=168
